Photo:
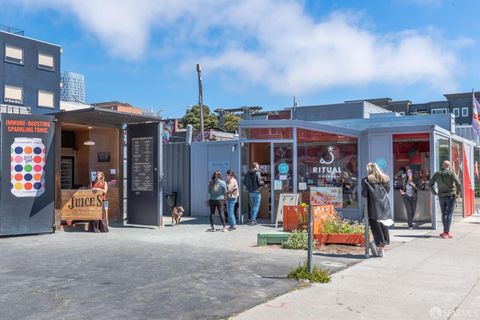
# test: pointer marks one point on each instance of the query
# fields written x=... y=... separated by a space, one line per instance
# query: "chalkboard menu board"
x=142 y=164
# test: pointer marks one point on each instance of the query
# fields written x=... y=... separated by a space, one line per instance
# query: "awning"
x=100 y=117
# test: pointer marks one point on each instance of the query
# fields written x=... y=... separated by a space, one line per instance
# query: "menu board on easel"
x=142 y=164
x=285 y=199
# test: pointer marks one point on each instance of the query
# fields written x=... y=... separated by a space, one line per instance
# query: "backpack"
x=251 y=181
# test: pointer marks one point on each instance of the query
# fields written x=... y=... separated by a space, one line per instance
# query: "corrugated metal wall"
x=176 y=173
x=206 y=158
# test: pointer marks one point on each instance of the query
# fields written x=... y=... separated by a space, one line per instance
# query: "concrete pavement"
x=426 y=278
x=180 y=272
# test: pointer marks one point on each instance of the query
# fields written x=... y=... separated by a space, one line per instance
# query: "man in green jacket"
x=448 y=186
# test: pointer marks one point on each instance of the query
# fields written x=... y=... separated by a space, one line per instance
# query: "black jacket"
x=253 y=181
x=378 y=203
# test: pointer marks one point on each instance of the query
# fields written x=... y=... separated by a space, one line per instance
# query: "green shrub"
x=335 y=224
x=297 y=240
x=318 y=275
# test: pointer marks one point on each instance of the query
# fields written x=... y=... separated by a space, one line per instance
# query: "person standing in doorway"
x=375 y=187
x=253 y=183
x=448 y=186
x=216 y=194
x=100 y=185
x=409 y=192
x=232 y=196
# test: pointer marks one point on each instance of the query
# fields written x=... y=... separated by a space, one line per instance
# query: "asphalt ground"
x=180 y=272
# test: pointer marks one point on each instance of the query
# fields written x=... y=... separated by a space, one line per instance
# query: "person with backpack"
x=375 y=187
x=253 y=183
x=448 y=186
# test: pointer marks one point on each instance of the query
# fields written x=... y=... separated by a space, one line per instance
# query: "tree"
x=192 y=116
x=230 y=122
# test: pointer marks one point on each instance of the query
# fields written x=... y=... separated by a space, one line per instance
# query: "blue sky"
x=259 y=52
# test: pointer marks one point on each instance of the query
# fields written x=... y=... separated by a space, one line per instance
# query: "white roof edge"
x=17 y=35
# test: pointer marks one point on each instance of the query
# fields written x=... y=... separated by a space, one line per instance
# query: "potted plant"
x=336 y=230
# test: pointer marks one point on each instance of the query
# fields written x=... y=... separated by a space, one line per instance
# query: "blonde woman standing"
x=375 y=187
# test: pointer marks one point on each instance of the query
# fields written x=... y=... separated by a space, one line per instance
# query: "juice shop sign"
x=328 y=169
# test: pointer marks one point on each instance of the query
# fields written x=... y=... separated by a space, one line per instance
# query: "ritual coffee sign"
x=329 y=165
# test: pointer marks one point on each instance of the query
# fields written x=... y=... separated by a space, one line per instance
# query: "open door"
x=144 y=193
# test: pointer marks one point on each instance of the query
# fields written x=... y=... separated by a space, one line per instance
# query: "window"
x=456 y=112
x=13 y=54
x=45 y=61
x=327 y=165
x=438 y=111
x=13 y=94
x=402 y=113
x=465 y=112
x=46 y=99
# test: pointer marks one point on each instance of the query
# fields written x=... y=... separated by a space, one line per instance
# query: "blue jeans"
x=446 y=206
x=231 y=211
x=255 y=199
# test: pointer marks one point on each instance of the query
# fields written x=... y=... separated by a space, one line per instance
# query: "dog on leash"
x=177 y=214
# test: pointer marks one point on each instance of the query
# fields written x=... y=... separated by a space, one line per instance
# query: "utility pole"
x=310 y=239
x=294 y=109
x=200 y=99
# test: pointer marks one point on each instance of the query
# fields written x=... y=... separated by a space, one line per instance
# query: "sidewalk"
x=427 y=278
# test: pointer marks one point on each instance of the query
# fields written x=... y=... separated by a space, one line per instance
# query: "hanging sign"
x=283 y=168
x=381 y=163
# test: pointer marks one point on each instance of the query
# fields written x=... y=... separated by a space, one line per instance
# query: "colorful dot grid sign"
x=27 y=167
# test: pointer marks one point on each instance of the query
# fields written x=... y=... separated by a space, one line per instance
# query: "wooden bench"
x=264 y=239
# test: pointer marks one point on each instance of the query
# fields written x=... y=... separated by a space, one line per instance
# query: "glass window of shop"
x=327 y=168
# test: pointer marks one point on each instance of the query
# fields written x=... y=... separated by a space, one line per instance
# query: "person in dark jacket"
x=409 y=192
x=448 y=186
x=375 y=187
x=216 y=194
x=253 y=182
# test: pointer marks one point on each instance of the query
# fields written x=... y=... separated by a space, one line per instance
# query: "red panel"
x=270 y=133
x=469 y=192
x=304 y=135
x=411 y=136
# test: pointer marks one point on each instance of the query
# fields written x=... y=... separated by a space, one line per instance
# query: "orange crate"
x=320 y=213
x=294 y=217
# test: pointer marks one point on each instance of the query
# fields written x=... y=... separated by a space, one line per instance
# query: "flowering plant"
x=336 y=224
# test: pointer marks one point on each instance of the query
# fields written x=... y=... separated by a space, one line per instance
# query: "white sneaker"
x=381 y=253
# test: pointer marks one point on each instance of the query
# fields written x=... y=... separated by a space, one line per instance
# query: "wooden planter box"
x=340 y=238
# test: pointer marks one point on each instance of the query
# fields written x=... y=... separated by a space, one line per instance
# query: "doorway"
x=411 y=157
x=275 y=160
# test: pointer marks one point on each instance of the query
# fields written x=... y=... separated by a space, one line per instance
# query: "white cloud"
x=276 y=44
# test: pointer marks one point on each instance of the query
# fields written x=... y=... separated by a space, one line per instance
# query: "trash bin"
x=171 y=199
